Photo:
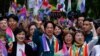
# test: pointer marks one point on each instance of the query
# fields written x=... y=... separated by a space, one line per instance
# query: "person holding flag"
x=19 y=47
x=5 y=28
x=47 y=43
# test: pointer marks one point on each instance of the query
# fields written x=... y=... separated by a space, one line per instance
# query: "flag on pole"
x=12 y=8
x=78 y=5
x=69 y=6
x=40 y=3
x=83 y=6
x=23 y=11
x=14 y=5
x=10 y=35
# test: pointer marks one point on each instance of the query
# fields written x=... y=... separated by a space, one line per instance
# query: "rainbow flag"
x=46 y=46
x=3 y=49
x=23 y=11
x=12 y=8
x=83 y=51
x=63 y=51
x=9 y=35
x=64 y=48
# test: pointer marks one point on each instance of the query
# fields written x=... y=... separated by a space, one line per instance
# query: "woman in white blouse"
x=19 y=47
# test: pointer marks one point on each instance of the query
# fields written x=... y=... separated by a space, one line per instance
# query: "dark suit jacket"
x=37 y=38
x=28 y=50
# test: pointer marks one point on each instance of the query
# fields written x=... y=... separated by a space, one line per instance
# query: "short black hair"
x=97 y=23
x=14 y=17
x=58 y=26
x=72 y=28
x=46 y=23
x=2 y=18
x=18 y=30
x=88 y=19
x=81 y=15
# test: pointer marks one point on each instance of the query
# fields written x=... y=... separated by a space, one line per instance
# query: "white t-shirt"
x=20 y=48
x=97 y=48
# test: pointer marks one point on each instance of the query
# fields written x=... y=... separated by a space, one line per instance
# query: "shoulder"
x=97 y=46
x=26 y=45
x=59 y=53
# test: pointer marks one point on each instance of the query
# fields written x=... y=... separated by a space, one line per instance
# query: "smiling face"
x=49 y=29
x=12 y=23
x=3 y=24
x=20 y=36
x=68 y=38
x=57 y=31
x=32 y=29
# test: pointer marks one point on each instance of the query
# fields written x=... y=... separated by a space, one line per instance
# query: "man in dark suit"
x=46 y=41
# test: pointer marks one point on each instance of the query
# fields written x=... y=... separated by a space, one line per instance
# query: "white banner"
x=30 y=3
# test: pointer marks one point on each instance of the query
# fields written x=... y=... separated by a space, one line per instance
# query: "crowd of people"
x=53 y=33
x=60 y=37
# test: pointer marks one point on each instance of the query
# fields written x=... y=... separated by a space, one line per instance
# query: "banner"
x=81 y=6
x=30 y=3
x=69 y=6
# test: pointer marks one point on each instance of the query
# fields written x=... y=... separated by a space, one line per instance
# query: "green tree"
x=93 y=8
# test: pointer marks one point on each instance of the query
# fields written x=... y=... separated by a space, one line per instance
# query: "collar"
x=52 y=38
